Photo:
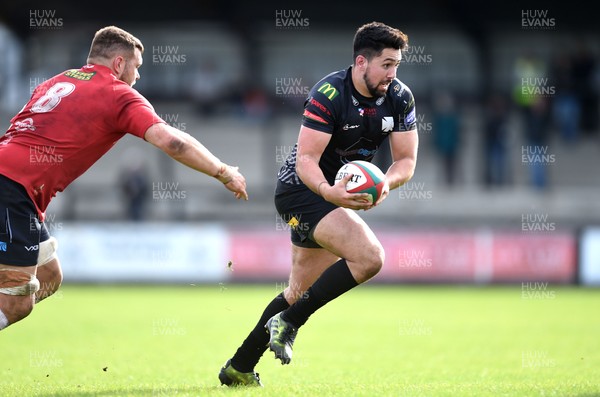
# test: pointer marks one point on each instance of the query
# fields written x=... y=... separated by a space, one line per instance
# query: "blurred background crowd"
x=507 y=100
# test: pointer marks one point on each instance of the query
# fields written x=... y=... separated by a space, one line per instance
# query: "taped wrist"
x=223 y=176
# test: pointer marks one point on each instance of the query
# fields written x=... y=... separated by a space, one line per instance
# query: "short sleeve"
x=319 y=111
x=134 y=113
x=407 y=111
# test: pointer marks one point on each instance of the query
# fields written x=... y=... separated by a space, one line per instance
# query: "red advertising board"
x=460 y=256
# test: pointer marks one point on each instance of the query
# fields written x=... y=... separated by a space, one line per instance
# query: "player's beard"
x=374 y=89
x=127 y=74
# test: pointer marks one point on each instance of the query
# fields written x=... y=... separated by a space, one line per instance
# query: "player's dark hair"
x=111 y=39
x=372 y=38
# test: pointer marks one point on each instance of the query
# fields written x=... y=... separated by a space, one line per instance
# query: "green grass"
x=373 y=341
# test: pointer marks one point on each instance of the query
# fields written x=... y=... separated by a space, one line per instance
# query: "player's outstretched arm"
x=184 y=148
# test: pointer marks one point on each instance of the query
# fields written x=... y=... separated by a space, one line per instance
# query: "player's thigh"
x=50 y=277
x=50 y=272
x=307 y=265
x=345 y=234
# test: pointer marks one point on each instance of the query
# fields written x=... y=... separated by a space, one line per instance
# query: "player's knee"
x=374 y=259
x=23 y=307
x=16 y=308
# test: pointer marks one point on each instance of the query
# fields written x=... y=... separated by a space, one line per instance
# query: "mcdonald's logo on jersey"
x=328 y=90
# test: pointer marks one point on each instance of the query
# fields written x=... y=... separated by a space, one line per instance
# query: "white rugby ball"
x=366 y=178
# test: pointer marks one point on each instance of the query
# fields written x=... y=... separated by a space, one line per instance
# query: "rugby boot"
x=282 y=336
x=232 y=377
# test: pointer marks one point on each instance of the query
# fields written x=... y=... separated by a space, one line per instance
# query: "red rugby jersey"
x=70 y=121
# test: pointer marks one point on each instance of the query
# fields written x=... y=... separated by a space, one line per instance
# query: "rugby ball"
x=366 y=178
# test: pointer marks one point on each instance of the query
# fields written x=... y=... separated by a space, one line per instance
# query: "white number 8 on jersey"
x=52 y=97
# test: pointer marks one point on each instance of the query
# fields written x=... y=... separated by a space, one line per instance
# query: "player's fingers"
x=346 y=179
x=240 y=192
x=360 y=197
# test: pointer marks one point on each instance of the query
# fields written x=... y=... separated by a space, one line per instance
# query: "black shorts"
x=301 y=210
x=20 y=228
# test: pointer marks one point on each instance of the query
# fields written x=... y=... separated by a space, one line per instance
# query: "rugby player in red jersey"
x=80 y=114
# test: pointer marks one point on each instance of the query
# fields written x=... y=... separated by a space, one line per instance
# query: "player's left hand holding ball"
x=385 y=191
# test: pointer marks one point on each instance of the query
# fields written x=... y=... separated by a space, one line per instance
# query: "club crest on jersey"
x=380 y=100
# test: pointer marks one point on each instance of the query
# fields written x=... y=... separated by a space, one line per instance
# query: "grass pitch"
x=373 y=341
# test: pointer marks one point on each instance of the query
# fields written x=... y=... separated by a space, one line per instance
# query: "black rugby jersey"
x=357 y=124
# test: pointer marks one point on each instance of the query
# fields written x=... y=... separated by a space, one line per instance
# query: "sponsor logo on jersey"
x=367 y=153
x=369 y=112
x=328 y=90
x=319 y=105
x=293 y=222
x=76 y=74
x=312 y=116
x=350 y=127
x=26 y=124
x=387 y=124
x=32 y=247
x=398 y=90
x=354 y=101
x=2 y=246
x=410 y=118
x=380 y=100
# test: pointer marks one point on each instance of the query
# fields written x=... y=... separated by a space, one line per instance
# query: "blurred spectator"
x=530 y=91
x=446 y=133
x=255 y=104
x=208 y=88
x=495 y=141
x=566 y=108
x=135 y=185
x=584 y=70
x=537 y=139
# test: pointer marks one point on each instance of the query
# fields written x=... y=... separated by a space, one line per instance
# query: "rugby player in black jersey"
x=346 y=117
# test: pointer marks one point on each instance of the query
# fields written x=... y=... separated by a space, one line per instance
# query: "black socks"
x=334 y=281
x=248 y=354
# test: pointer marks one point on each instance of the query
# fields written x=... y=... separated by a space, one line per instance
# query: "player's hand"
x=385 y=191
x=234 y=181
x=338 y=195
